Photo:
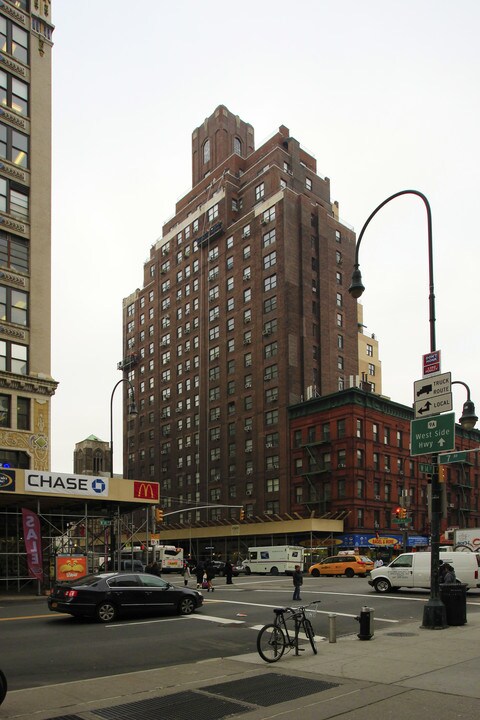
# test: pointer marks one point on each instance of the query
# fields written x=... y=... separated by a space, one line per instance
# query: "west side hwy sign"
x=433 y=395
x=432 y=434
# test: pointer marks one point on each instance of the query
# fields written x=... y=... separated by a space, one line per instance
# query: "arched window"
x=237 y=146
x=206 y=151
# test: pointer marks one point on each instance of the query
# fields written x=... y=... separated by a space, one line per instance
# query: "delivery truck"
x=273 y=559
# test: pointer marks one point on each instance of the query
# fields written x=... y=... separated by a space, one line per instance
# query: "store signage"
x=63 y=484
x=146 y=490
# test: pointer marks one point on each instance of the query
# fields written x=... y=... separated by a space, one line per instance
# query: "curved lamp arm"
x=356 y=288
x=132 y=410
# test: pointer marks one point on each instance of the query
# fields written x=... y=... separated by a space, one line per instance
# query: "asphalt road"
x=41 y=648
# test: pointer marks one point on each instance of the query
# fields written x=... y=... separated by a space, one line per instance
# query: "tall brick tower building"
x=244 y=311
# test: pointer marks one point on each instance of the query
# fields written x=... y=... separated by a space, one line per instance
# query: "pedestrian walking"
x=297 y=582
x=199 y=570
x=229 y=572
x=449 y=577
x=210 y=572
x=186 y=573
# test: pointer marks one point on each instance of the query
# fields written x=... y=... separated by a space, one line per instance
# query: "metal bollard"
x=366 y=623
x=332 y=628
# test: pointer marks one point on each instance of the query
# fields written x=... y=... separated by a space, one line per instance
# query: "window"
x=269 y=215
x=269 y=238
x=14 y=40
x=386 y=436
x=13 y=200
x=371 y=369
x=270 y=304
x=271 y=372
x=237 y=146
x=247 y=295
x=271 y=417
x=14 y=146
x=13 y=252
x=338 y=278
x=13 y=357
x=212 y=213
x=271 y=350
x=5 y=410
x=339 y=320
x=259 y=192
x=359 y=428
x=13 y=305
x=341 y=458
x=340 y=342
x=369 y=350
x=270 y=283
x=206 y=151
x=269 y=260
x=340 y=429
x=340 y=362
x=13 y=93
x=338 y=236
x=339 y=300
x=273 y=485
x=308 y=183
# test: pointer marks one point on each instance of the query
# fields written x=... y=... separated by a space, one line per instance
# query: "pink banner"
x=33 y=543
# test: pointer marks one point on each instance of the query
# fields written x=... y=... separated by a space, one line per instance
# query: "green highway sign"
x=105 y=523
x=454 y=457
x=400 y=521
x=425 y=468
x=432 y=434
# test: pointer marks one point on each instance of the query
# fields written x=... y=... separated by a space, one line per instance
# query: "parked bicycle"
x=3 y=687
x=284 y=633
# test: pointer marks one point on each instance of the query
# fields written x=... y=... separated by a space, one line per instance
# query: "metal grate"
x=270 y=689
x=180 y=706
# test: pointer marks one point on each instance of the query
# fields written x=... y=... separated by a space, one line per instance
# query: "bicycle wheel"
x=270 y=643
x=310 y=633
x=3 y=687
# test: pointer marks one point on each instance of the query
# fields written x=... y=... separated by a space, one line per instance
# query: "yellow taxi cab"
x=348 y=565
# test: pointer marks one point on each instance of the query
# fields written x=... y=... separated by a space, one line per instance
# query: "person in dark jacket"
x=229 y=572
x=297 y=582
x=199 y=570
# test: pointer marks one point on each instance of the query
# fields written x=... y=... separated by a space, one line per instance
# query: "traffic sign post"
x=425 y=408
x=433 y=395
x=425 y=468
x=432 y=434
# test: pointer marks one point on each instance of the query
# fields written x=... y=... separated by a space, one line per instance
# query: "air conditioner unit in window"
x=341 y=465
x=264 y=221
x=248 y=492
x=246 y=233
x=248 y=385
x=267 y=378
x=248 y=450
x=377 y=497
x=387 y=470
x=249 y=471
x=268 y=445
x=267 y=332
x=247 y=341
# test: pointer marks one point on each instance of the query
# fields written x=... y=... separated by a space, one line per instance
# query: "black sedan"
x=105 y=596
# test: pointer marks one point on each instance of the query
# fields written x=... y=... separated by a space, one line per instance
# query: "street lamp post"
x=468 y=419
x=434 y=613
x=132 y=410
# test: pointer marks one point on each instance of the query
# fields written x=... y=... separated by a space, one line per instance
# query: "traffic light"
x=242 y=514
x=158 y=515
x=442 y=473
x=403 y=513
x=398 y=513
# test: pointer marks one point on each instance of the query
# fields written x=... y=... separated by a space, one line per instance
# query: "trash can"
x=454 y=597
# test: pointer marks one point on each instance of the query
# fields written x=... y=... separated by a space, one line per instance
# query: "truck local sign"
x=432 y=434
x=62 y=484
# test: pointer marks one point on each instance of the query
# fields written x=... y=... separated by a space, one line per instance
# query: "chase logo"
x=7 y=480
x=99 y=486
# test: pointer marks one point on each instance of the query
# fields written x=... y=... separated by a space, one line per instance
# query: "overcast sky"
x=385 y=95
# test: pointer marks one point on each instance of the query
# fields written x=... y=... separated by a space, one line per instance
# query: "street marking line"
x=30 y=617
x=221 y=621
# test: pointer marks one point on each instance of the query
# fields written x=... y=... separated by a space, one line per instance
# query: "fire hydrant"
x=366 y=623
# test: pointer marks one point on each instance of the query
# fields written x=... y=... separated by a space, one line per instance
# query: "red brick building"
x=244 y=310
x=350 y=451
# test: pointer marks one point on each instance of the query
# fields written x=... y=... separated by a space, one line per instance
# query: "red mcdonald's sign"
x=146 y=490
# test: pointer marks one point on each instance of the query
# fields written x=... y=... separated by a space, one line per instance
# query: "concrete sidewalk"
x=410 y=672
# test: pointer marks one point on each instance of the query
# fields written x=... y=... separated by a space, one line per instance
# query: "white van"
x=413 y=570
x=273 y=559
